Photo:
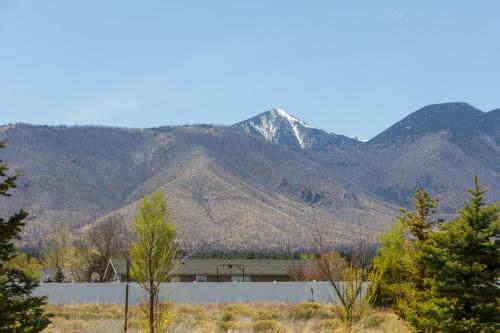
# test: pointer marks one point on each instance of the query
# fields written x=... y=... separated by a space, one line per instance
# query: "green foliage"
x=462 y=263
x=228 y=316
x=310 y=310
x=399 y=273
x=21 y=261
x=327 y=325
x=59 y=276
x=226 y=326
x=154 y=256
x=267 y=314
x=392 y=283
x=19 y=311
x=267 y=326
x=419 y=222
x=442 y=277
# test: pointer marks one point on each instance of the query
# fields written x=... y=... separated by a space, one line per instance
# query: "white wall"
x=186 y=292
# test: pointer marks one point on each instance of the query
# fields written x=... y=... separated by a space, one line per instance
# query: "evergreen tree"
x=462 y=263
x=420 y=222
x=59 y=275
x=399 y=274
x=19 y=311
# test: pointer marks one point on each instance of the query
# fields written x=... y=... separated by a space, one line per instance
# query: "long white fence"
x=184 y=292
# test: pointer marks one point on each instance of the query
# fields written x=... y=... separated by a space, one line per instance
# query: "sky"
x=351 y=67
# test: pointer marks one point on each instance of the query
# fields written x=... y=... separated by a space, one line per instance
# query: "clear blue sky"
x=351 y=67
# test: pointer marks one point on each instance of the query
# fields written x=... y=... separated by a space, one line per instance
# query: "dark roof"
x=251 y=266
x=209 y=266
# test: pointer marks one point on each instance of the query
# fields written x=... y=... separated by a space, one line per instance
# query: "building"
x=217 y=270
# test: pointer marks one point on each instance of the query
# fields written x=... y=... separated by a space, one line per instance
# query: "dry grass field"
x=257 y=317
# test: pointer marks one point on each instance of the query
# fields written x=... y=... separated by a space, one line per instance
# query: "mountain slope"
x=213 y=206
x=266 y=182
x=438 y=148
x=459 y=119
x=83 y=173
x=277 y=126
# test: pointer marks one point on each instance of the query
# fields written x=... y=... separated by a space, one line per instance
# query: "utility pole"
x=126 y=298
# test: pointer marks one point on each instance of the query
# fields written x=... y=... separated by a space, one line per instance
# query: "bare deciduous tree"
x=105 y=240
x=307 y=270
x=57 y=248
x=348 y=278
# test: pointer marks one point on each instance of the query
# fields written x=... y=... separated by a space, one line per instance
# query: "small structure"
x=95 y=277
x=217 y=270
x=116 y=270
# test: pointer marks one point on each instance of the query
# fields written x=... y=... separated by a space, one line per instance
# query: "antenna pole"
x=126 y=297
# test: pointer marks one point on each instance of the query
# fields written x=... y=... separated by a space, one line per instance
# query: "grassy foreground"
x=256 y=317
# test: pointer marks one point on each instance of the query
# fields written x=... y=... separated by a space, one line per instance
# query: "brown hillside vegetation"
x=222 y=184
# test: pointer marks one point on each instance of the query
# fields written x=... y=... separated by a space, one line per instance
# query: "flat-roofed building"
x=217 y=270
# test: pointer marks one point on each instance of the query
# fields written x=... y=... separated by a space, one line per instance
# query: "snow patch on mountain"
x=278 y=126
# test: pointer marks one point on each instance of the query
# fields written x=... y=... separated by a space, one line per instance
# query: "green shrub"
x=327 y=325
x=228 y=316
x=268 y=326
x=267 y=315
x=225 y=326
x=240 y=310
x=374 y=320
x=308 y=311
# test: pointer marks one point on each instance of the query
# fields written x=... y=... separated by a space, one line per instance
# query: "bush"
x=164 y=313
x=267 y=315
x=374 y=320
x=192 y=315
x=308 y=311
x=327 y=325
x=239 y=310
x=228 y=316
x=225 y=326
x=268 y=326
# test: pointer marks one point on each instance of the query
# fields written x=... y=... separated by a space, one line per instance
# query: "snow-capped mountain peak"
x=280 y=127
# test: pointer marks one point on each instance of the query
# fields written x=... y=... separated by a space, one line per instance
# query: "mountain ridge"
x=238 y=179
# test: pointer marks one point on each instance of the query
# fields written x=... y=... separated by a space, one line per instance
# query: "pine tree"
x=419 y=222
x=19 y=311
x=399 y=274
x=462 y=263
x=59 y=276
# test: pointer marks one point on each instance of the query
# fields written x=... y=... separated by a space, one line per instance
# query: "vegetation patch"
x=187 y=318
x=267 y=314
x=327 y=325
x=268 y=326
x=239 y=310
x=227 y=326
x=374 y=320
x=310 y=310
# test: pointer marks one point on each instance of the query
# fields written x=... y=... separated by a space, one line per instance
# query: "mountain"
x=459 y=119
x=278 y=126
x=268 y=182
x=224 y=186
x=439 y=148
